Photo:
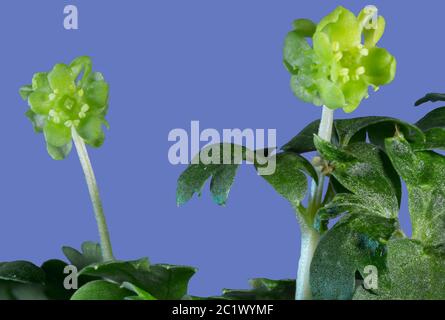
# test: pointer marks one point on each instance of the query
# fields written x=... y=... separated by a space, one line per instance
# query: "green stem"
x=105 y=243
x=309 y=236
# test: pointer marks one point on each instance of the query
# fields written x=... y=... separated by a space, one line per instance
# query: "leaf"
x=101 y=290
x=348 y=128
x=140 y=294
x=91 y=253
x=221 y=163
x=304 y=141
x=423 y=173
x=288 y=179
x=430 y=97
x=162 y=281
x=433 y=125
x=355 y=242
x=283 y=171
x=22 y=272
x=54 y=278
x=360 y=168
x=414 y=272
x=347 y=131
x=264 y=289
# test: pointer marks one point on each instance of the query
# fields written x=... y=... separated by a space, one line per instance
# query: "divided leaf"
x=264 y=289
x=348 y=131
x=162 y=281
x=91 y=253
x=362 y=169
x=414 y=272
x=423 y=173
x=356 y=241
x=283 y=171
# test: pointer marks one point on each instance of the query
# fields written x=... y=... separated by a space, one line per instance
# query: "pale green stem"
x=105 y=243
x=309 y=236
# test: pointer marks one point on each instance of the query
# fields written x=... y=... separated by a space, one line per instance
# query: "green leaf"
x=140 y=294
x=423 y=173
x=356 y=241
x=348 y=128
x=433 y=125
x=162 y=281
x=192 y=180
x=361 y=169
x=347 y=131
x=91 y=253
x=414 y=272
x=430 y=97
x=101 y=290
x=21 y=272
x=264 y=289
x=288 y=179
x=54 y=278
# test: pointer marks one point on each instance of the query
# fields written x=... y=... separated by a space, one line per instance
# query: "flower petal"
x=90 y=129
x=354 y=92
x=81 y=63
x=96 y=91
x=331 y=94
x=40 y=81
x=59 y=153
x=57 y=135
x=341 y=26
x=297 y=51
x=380 y=66
x=61 y=79
x=39 y=102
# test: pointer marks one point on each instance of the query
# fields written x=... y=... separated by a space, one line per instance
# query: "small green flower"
x=61 y=101
x=337 y=70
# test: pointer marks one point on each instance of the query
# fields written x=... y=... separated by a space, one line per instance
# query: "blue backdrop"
x=169 y=62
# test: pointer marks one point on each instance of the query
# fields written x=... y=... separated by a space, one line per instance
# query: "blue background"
x=169 y=62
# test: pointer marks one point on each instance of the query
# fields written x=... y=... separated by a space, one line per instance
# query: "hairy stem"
x=105 y=243
x=309 y=236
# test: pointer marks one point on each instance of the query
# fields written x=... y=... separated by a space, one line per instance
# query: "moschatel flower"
x=63 y=100
x=337 y=70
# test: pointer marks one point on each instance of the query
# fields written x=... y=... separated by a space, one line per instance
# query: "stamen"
x=51 y=96
x=68 y=123
x=52 y=113
x=338 y=56
x=336 y=46
x=85 y=108
x=82 y=115
x=359 y=71
x=344 y=72
x=364 y=52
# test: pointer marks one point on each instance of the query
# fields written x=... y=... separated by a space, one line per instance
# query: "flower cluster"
x=338 y=69
x=69 y=97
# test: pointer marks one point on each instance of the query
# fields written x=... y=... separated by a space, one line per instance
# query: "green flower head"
x=69 y=97
x=343 y=61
